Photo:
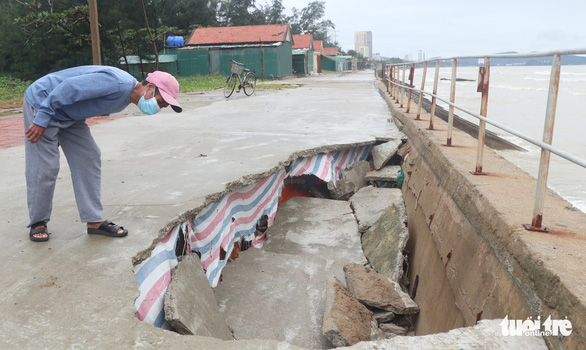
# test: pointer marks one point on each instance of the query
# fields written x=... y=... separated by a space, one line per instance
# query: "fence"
x=396 y=87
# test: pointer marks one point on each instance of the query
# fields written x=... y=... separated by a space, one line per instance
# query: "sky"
x=448 y=28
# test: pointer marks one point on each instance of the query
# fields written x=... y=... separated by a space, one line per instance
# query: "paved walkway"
x=78 y=291
x=12 y=129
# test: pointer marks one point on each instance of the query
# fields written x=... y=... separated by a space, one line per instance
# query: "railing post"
x=397 y=83
x=552 y=98
x=411 y=76
x=418 y=117
x=391 y=86
x=387 y=78
x=434 y=99
x=402 y=88
x=483 y=85
x=452 y=100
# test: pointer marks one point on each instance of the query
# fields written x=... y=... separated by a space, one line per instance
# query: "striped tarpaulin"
x=328 y=166
x=153 y=276
x=224 y=222
x=220 y=224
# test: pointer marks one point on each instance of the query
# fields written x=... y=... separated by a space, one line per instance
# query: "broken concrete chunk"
x=392 y=329
x=352 y=180
x=388 y=173
x=382 y=153
x=190 y=305
x=346 y=320
x=370 y=203
x=384 y=242
x=376 y=333
x=487 y=334
x=377 y=290
x=383 y=316
x=404 y=150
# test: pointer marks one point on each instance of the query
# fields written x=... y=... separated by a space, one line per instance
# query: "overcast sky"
x=449 y=28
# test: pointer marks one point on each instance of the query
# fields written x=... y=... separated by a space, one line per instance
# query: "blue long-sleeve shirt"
x=79 y=93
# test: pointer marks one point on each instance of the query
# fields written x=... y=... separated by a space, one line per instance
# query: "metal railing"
x=396 y=88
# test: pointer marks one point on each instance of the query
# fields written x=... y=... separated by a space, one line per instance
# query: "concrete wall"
x=468 y=251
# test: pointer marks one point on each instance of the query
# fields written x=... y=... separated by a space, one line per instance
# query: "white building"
x=363 y=43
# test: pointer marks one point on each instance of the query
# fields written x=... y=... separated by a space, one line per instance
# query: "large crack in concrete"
x=244 y=181
x=335 y=158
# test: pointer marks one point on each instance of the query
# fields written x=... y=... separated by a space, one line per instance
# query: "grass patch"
x=275 y=86
x=199 y=83
x=12 y=92
x=328 y=71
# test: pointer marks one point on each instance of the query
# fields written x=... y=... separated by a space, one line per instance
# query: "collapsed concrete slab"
x=382 y=153
x=314 y=227
x=384 y=242
x=353 y=179
x=346 y=321
x=267 y=295
x=369 y=203
x=487 y=334
x=387 y=173
x=190 y=305
x=310 y=241
x=375 y=289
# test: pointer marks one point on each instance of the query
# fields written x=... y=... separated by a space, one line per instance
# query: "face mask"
x=149 y=106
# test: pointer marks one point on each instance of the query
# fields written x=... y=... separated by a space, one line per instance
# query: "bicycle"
x=248 y=82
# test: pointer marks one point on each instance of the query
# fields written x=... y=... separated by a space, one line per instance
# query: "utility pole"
x=95 y=33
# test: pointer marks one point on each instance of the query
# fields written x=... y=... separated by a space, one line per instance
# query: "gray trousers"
x=42 y=167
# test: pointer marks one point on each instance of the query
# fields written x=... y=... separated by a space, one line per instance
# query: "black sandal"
x=108 y=228
x=42 y=229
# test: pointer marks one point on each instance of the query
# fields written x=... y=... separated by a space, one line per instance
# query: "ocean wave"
x=511 y=87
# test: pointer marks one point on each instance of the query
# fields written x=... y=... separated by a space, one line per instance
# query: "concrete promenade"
x=77 y=291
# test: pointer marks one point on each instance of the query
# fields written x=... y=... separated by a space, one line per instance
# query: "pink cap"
x=168 y=87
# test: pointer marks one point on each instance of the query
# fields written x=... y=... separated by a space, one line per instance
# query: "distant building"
x=421 y=56
x=267 y=49
x=303 y=49
x=363 y=43
x=376 y=57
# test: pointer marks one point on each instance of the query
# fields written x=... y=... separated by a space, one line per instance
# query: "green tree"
x=274 y=13
x=309 y=20
x=188 y=14
x=240 y=13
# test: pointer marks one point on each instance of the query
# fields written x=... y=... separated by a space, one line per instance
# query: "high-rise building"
x=363 y=43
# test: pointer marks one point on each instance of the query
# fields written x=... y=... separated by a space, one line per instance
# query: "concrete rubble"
x=377 y=290
x=346 y=320
x=384 y=242
x=388 y=173
x=382 y=153
x=485 y=335
x=190 y=305
x=352 y=180
x=369 y=203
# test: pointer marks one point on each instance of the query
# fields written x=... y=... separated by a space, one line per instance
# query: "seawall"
x=470 y=257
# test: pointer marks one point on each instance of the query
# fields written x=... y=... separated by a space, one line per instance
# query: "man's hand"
x=34 y=133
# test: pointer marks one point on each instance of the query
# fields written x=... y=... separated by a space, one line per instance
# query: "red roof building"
x=330 y=51
x=318 y=46
x=304 y=41
x=272 y=33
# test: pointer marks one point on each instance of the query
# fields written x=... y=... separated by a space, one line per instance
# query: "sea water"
x=517 y=98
